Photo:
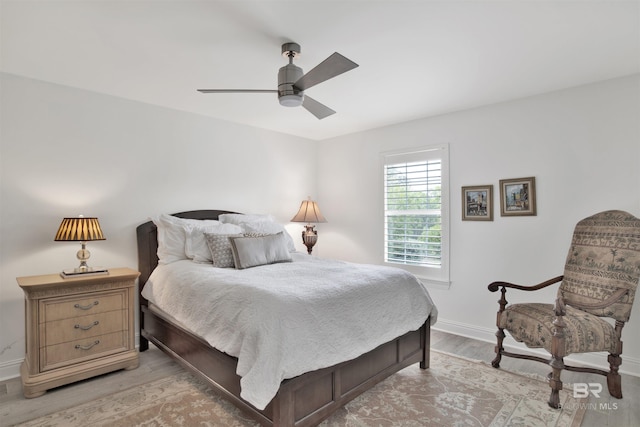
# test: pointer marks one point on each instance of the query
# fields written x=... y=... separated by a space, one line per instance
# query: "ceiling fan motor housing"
x=288 y=94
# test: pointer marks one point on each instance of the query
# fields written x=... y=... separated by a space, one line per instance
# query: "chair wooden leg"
x=502 y=302
x=614 y=381
x=499 y=349
x=557 y=365
x=557 y=353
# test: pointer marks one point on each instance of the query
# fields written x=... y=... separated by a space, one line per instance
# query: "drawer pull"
x=87 y=347
x=86 y=328
x=86 y=307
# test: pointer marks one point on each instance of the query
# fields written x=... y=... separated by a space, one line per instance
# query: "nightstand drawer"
x=81 y=305
x=56 y=356
x=81 y=327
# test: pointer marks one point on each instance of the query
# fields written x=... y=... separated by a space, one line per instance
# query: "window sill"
x=429 y=281
x=434 y=284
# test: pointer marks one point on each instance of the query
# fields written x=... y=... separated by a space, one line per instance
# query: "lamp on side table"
x=80 y=229
x=309 y=212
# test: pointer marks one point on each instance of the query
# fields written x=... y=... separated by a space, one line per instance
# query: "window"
x=416 y=206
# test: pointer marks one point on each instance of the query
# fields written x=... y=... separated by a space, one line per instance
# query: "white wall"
x=66 y=152
x=583 y=147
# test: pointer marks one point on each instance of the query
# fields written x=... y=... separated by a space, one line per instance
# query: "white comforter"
x=283 y=320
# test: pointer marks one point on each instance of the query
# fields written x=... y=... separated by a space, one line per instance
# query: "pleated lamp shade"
x=80 y=229
x=309 y=212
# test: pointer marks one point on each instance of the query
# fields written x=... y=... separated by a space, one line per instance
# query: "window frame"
x=431 y=276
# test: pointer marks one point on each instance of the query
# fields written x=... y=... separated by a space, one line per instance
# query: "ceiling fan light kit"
x=292 y=82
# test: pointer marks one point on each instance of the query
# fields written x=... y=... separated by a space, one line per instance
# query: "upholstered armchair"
x=600 y=278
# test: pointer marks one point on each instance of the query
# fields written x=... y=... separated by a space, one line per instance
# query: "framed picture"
x=518 y=196
x=477 y=203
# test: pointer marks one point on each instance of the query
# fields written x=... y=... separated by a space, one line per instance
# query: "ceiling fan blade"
x=334 y=65
x=317 y=109
x=237 y=91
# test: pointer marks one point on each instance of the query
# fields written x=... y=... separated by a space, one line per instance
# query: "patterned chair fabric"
x=584 y=332
x=604 y=256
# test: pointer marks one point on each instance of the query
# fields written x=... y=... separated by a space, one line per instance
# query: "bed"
x=303 y=400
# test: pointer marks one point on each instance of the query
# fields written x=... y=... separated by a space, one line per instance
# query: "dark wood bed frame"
x=305 y=400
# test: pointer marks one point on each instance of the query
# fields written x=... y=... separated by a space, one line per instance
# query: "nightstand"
x=77 y=328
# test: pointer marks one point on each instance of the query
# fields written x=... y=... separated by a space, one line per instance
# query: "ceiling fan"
x=292 y=82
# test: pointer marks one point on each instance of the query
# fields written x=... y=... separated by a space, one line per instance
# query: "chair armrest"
x=493 y=287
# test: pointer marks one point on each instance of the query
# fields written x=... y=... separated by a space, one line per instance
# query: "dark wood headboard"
x=147 y=234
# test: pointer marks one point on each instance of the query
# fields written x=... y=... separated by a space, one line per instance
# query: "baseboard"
x=10 y=369
x=630 y=365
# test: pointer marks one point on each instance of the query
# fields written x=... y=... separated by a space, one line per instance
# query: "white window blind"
x=415 y=211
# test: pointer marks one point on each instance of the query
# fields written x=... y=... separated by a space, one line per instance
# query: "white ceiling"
x=417 y=58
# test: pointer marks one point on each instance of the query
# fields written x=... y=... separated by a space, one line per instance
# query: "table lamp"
x=80 y=229
x=309 y=212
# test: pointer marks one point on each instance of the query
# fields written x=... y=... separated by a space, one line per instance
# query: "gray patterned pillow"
x=259 y=250
x=220 y=248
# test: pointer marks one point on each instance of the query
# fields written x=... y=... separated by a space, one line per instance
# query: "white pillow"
x=171 y=239
x=172 y=236
x=244 y=219
x=255 y=251
x=258 y=224
x=265 y=227
x=196 y=247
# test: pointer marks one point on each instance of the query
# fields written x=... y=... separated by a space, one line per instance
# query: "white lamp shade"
x=309 y=212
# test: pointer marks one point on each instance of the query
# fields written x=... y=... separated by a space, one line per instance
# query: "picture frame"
x=477 y=203
x=518 y=196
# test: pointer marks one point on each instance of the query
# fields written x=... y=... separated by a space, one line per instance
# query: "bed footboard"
x=302 y=401
x=309 y=399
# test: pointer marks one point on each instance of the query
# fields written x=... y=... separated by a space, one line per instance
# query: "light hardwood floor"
x=154 y=364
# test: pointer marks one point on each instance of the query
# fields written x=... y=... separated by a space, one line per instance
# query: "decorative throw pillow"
x=196 y=247
x=254 y=251
x=220 y=248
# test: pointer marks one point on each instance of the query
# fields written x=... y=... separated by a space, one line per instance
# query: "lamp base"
x=309 y=237
x=83 y=271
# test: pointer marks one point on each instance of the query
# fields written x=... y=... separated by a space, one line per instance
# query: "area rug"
x=452 y=392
